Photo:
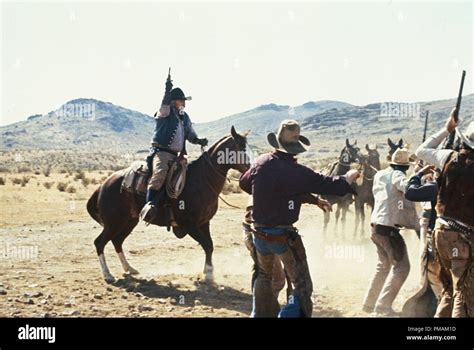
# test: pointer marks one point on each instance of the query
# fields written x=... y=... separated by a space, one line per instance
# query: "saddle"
x=136 y=178
x=135 y=181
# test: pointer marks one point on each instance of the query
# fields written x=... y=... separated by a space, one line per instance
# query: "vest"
x=166 y=128
x=456 y=188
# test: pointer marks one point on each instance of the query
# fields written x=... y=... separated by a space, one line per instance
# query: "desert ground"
x=49 y=267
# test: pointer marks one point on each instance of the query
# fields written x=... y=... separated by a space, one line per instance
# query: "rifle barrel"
x=426 y=125
x=458 y=102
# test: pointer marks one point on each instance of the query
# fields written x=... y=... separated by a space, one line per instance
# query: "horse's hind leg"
x=357 y=218
x=118 y=241
x=100 y=243
x=338 y=213
x=203 y=236
x=343 y=220
x=362 y=227
x=327 y=217
x=108 y=233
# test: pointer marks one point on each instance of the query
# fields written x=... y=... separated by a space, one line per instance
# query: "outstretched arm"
x=428 y=151
x=323 y=204
x=191 y=134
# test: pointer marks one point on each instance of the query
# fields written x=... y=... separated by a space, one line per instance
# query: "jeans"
x=266 y=247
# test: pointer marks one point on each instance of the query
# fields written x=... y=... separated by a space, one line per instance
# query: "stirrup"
x=148 y=213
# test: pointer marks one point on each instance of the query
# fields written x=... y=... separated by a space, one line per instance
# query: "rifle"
x=426 y=126
x=168 y=88
x=420 y=162
x=450 y=139
x=169 y=82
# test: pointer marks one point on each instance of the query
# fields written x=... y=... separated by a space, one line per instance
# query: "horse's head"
x=232 y=152
x=393 y=147
x=373 y=157
x=350 y=153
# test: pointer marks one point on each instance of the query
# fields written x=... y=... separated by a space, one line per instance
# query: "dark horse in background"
x=393 y=147
x=370 y=165
x=349 y=154
x=117 y=211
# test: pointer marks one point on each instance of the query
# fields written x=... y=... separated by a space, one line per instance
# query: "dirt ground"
x=49 y=268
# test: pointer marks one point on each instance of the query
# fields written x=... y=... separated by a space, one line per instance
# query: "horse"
x=117 y=212
x=349 y=154
x=370 y=165
x=393 y=147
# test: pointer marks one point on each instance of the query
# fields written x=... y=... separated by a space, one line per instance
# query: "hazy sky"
x=231 y=57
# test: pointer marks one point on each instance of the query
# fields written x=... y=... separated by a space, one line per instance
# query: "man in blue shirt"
x=173 y=127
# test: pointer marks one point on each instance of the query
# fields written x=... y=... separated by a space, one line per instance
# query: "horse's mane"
x=197 y=160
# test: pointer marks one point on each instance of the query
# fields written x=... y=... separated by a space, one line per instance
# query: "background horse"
x=117 y=211
x=393 y=147
x=349 y=154
x=370 y=165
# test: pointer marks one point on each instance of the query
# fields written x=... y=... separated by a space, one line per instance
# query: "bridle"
x=207 y=157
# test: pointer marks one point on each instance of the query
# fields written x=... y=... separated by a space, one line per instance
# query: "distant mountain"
x=266 y=118
x=376 y=122
x=83 y=123
x=96 y=126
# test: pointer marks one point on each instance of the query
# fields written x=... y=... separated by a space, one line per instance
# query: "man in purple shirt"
x=278 y=185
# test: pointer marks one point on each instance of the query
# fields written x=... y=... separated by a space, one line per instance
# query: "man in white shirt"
x=391 y=211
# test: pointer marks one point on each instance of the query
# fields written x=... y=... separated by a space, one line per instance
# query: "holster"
x=395 y=239
x=149 y=161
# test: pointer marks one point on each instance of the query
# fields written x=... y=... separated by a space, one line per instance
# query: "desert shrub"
x=48 y=185
x=61 y=186
x=2 y=181
x=47 y=170
x=16 y=180
x=86 y=182
x=24 y=180
x=24 y=169
x=231 y=187
x=80 y=175
x=71 y=189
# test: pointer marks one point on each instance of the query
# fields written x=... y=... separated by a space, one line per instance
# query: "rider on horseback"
x=173 y=128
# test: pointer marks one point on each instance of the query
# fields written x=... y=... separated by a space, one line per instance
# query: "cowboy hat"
x=468 y=136
x=178 y=94
x=288 y=138
x=401 y=157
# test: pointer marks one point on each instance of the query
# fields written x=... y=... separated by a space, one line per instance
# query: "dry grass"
x=51 y=199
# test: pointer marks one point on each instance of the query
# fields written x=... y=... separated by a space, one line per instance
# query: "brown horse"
x=370 y=166
x=117 y=211
x=349 y=154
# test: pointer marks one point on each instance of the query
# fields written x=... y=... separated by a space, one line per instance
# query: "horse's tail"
x=92 y=207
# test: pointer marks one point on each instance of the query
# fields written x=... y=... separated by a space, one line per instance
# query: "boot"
x=154 y=199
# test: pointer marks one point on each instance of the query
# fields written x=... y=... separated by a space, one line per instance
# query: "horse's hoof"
x=109 y=279
x=209 y=280
x=132 y=271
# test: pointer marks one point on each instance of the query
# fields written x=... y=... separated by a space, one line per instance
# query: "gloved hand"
x=203 y=142
x=168 y=88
